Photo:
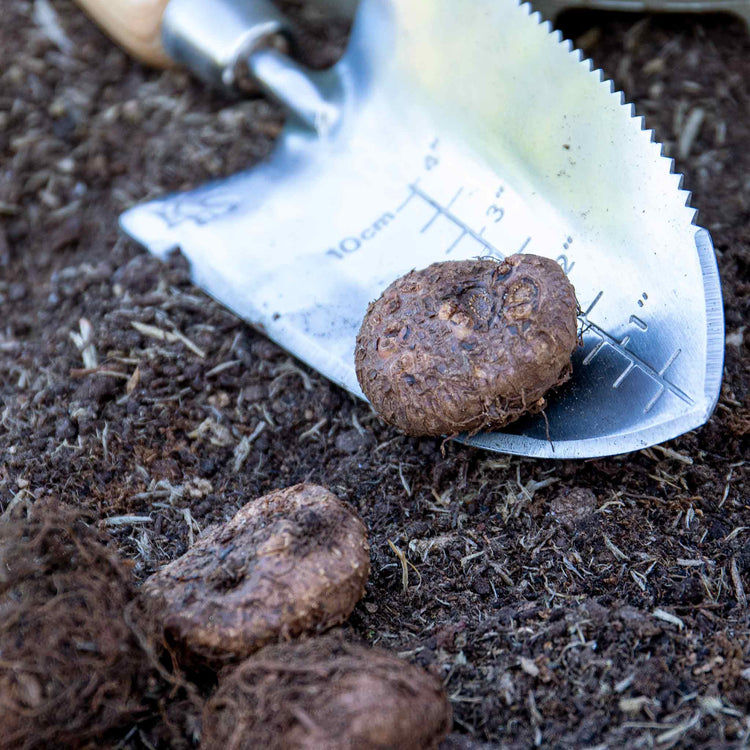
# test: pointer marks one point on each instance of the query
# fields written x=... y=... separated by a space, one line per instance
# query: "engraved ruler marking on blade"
x=633 y=360
x=353 y=243
x=464 y=229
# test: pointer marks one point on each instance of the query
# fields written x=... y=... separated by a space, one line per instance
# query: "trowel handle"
x=209 y=37
x=134 y=25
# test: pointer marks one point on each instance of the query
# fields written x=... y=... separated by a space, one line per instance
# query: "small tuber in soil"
x=293 y=561
x=468 y=345
x=322 y=694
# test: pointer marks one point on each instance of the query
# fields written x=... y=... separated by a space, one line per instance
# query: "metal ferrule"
x=212 y=38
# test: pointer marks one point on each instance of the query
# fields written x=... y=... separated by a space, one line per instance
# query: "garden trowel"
x=449 y=130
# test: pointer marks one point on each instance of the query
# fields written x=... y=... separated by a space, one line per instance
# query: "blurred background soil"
x=598 y=603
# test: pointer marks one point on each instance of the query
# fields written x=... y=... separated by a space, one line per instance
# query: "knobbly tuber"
x=322 y=694
x=293 y=561
x=463 y=346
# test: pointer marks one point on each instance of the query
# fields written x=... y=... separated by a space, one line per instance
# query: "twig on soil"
x=126 y=520
x=735 y=532
x=669 y=453
x=82 y=372
x=679 y=730
x=739 y=589
x=84 y=343
x=614 y=549
x=169 y=336
x=665 y=479
x=625 y=683
x=662 y=614
x=104 y=438
x=403 y=479
x=388 y=443
x=405 y=565
x=314 y=431
x=242 y=450
x=223 y=366
x=267 y=417
x=285 y=369
x=357 y=426
x=178 y=336
x=467 y=558
x=725 y=495
x=192 y=525
x=133 y=381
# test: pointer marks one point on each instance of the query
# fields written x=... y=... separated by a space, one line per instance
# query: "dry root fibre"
x=326 y=694
x=70 y=667
x=291 y=562
x=467 y=345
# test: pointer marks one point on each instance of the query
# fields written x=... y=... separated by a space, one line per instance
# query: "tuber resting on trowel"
x=463 y=346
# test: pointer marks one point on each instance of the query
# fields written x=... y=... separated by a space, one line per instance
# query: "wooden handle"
x=134 y=25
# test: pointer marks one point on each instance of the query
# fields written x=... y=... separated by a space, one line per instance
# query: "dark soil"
x=597 y=603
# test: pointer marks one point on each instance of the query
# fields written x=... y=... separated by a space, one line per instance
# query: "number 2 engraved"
x=566 y=263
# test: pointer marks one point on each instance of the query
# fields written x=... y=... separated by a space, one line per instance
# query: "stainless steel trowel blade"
x=468 y=130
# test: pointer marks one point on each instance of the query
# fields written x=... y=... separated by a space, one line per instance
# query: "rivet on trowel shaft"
x=213 y=38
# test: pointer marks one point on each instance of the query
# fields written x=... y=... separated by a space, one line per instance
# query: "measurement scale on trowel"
x=450 y=132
